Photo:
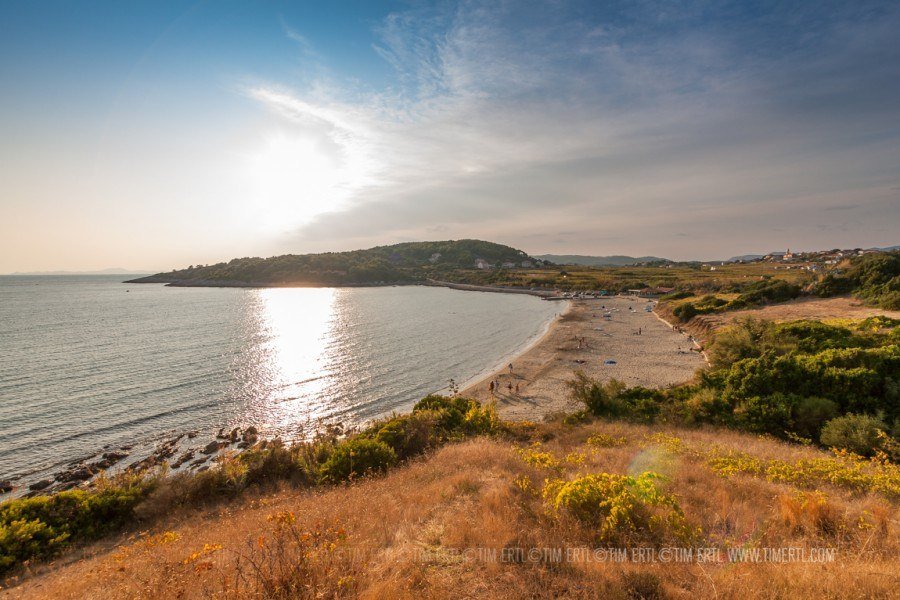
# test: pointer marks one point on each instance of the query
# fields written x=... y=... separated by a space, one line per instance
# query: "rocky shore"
x=182 y=452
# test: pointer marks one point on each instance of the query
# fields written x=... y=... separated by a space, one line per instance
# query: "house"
x=508 y=265
x=480 y=263
x=527 y=264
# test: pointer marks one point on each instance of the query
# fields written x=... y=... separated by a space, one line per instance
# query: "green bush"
x=767 y=414
x=623 y=509
x=451 y=410
x=706 y=405
x=766 y=291
x=686 y=311
x=278 y=462
x=409 y=435
x=873 y=277
x=42 y=526
x=856 y=433
x=356 y=457
x=810 y=415
x=676 y=296
x=600 y=399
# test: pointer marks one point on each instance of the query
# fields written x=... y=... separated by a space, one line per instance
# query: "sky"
x=154 y=135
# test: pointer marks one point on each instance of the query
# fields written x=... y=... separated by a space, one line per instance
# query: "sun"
x=296 y=177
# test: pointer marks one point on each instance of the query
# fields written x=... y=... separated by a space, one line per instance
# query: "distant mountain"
x=599 y=261
x=408 y=262
x=111 y=271
x=746 y=257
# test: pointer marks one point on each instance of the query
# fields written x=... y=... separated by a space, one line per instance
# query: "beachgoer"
x=491 y=387
x=510 y=368
x=517 y=388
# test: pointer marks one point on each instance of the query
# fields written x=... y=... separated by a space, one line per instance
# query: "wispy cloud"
x=506 y=120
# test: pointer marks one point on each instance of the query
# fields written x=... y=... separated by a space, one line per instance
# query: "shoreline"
x=645 y=349
x=469 y=287
x=487 y=373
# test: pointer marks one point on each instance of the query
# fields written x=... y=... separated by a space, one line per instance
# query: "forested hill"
x=400 y=263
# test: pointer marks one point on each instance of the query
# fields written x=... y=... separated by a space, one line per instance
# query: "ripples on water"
x=87 y=362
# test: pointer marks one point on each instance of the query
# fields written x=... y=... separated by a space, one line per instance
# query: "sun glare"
x=294 y=178
x=298 y=325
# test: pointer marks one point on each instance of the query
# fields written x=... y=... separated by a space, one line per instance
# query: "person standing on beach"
x=491 y=388
x=510 y=368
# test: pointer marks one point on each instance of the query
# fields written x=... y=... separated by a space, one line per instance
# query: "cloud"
x=616 y=125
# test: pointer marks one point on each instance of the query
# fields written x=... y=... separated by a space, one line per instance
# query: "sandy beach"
x=583 y=339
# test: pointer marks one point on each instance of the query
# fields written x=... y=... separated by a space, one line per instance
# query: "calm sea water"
x=89 y=362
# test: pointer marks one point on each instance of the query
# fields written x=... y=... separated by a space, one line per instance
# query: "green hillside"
x=399 y=263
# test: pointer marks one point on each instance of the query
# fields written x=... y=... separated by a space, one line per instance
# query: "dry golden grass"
x=411 y=533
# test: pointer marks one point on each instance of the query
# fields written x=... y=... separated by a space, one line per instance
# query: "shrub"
x=706 y=405
x=625 y=508
x=810 y=414
x=676 y=295
x=602 y=440
x=599 y=399
x=762 y=292
x=279 y=462
x=685 y=311
x=409 y=435
x=42 y=526
x=767 y=414
x=857 y=433
x=451 y=411
x=355 y=457
x=873 y=277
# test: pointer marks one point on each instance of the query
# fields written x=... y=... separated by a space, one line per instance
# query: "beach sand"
x=651 y=359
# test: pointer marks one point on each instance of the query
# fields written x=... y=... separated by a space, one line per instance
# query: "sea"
x=89 y=363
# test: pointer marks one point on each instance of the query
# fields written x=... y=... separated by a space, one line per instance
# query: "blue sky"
x=158 y=134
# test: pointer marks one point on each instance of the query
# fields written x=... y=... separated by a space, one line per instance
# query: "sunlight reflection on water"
x=298 y=326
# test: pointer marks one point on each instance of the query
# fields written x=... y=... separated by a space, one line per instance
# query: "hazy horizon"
x=158 y=135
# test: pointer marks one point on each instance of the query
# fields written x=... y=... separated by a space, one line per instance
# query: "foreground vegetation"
x=597 y=509
x=42 y=527
x=396 y=509
x=837 y=383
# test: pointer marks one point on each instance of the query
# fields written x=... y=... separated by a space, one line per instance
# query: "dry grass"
x=411 y=534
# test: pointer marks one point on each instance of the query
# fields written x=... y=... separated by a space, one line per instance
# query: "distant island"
x=405 y=263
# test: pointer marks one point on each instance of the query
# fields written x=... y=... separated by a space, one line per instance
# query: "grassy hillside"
x=399 y=263
x=531 y=514
x=875 y=278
